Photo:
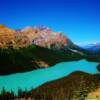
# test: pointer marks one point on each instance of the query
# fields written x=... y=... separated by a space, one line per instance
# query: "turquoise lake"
x=33 y=79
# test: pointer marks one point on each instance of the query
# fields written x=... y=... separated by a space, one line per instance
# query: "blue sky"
x=77 y=19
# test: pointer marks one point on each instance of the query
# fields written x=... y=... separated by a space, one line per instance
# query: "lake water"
x=33 y=79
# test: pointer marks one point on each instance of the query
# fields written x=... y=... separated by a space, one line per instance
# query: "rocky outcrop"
x=94 y=95
x=41 y=36
x=6 y=36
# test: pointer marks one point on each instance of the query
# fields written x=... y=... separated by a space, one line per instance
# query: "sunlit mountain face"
x=44 y=36
x=41 y=36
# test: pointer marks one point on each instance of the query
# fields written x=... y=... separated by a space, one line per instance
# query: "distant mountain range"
x=93 y=47
x=43 y=37
x=92 y=52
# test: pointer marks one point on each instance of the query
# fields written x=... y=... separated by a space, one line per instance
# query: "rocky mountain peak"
x=41 y=36
x=6 y=36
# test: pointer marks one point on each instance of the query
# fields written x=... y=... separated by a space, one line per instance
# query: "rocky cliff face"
x=6 y=36
x=40 y=36
x=44 y=37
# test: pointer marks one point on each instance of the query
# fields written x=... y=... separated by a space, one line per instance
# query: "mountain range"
x=37 y=47
x=44 y=37
x=40 y=36
x=95 y=47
